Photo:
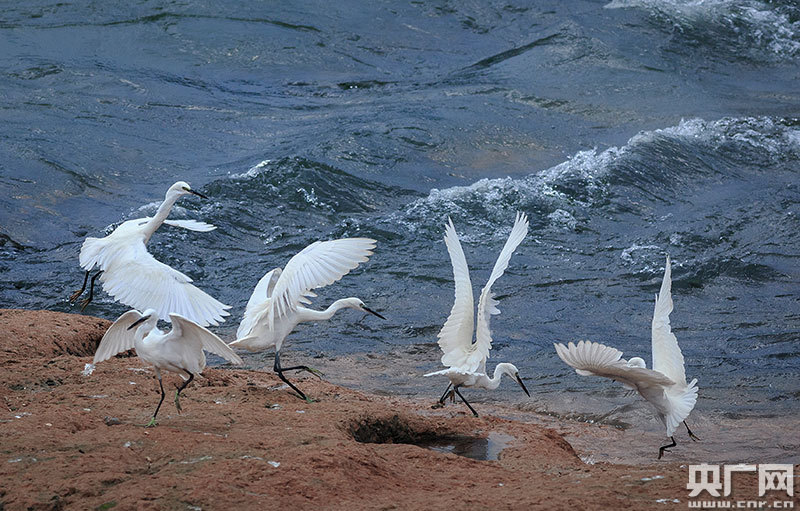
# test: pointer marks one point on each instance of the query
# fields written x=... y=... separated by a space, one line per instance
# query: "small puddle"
x=488 y=448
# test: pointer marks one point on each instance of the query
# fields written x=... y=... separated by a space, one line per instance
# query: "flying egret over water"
x=277 y=303
x=466 y=360
x=180 y=350
x=133 y=276
x=664 y=386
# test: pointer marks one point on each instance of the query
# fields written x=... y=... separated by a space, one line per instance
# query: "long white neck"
x=161 y=214
x=142 y=332
x=494 y=382
x=312 y=315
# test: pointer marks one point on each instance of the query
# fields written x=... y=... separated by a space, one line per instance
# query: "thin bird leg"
x=446 y=391
x=440 y=402
x=74 y=296
x=91 y=290
x=691 y=435
x=315 y=372
x=178 y=394
x=153 y=419
x=277 y=369
x=455 y=389
x=666 y=447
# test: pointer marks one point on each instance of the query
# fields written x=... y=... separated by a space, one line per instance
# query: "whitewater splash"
x=761 y=30
x=651 y=162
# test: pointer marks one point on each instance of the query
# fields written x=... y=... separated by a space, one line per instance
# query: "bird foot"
x=74 y=296
x=316 y=372
x=309 y=400
x=694 y=437
x=152 y=423
x=178 y=402
x=85 y=302
x=437 y=405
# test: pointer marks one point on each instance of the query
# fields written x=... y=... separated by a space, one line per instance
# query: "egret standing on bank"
x=276 y=305
x=467 y=360
x=133 y=276
x=664 y=386
x=180 y=350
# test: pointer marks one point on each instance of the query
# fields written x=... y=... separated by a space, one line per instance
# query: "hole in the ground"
x=395 y=430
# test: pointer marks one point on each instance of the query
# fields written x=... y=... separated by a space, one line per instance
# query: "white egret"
x=664 y=386
x=467 y=360
x=180 y=350
x=276 y=305
x=133 y=276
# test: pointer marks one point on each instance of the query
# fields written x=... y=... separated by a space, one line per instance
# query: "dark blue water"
x=626 y=131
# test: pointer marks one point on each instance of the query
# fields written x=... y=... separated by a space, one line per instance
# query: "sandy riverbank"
x=244 y=441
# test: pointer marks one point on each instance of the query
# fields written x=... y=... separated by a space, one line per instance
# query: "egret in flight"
x=180 y=350
x=133 y=276
x=466 y=360
x=277 y=303
x=664 y=386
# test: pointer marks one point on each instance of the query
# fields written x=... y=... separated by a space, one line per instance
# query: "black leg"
x=183 y=386
x=444 y=396
x=277 y=369
x=80 y=291
x=91 y=290
x=691 y=435
x=162 y=399
x=303 y=368
x=666 y=447
x=455 y=388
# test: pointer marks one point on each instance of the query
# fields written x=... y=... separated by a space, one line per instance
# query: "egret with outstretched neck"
x=133 y=276
x=277 y=303
x=180 y=350
x=664 y=386
x=467 y=360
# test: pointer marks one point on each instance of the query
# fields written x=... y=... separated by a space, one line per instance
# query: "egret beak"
x=372 y=312
x=139 y=321
x=519 y=380
x=196 y=193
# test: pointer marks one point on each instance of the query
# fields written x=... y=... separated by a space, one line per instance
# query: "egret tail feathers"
x=682 y=404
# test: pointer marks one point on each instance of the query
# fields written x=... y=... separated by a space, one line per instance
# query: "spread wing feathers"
x=318 y=265
x=487 y=305
x=258 y=302
x=682 y=403
x=117 y=338
x=136 y=278
x=592 y=358
x=455 y=338
x=190 y=332
x=192 y=225
x=667 y=356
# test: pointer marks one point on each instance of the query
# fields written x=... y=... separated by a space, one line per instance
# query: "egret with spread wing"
x=180 y=350
x=133 y=276
x=277 y=303
x=466 y=360
x=664 y=386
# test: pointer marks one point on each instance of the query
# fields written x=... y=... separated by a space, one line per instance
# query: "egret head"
x=358 y=304
x=149 y=318
x=637 y=362
x=183 y=188
x=512 y=372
